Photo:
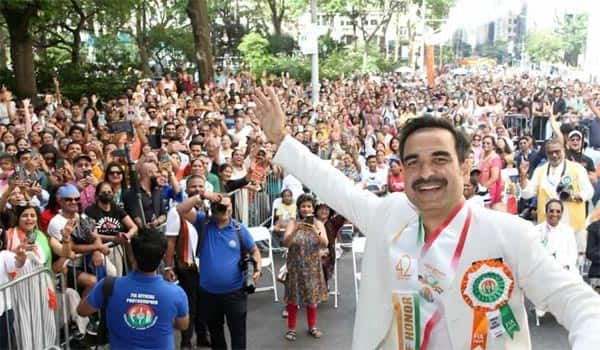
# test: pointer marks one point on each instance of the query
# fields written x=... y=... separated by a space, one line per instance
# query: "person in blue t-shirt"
x=221 y=294
x=143 y=308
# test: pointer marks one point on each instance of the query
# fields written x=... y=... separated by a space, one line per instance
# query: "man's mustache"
x=432 y=180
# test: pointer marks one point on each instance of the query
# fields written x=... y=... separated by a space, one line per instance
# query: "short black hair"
x=461 y=143
x=148 y=247
x=553 y=200
x=372 y=156
x=305 y=197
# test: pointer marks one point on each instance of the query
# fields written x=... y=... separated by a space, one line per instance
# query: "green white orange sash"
x=486 y=287
x=422 y=272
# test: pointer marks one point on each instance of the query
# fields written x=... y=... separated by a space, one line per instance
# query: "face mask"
x=105 y=197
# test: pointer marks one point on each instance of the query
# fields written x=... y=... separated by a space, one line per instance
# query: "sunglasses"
x=115 y=172
x=75 y=200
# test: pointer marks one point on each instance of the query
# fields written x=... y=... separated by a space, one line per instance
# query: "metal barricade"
x=517 y=124
x=31 y=314
x=252 y=208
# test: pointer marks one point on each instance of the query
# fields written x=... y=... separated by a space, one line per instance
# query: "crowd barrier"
x=253 y=208
x=32 y=317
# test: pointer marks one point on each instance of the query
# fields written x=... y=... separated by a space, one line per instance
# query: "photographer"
x=223 y=246
x=561 y=179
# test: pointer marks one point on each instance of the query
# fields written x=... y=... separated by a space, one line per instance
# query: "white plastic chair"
x=358 y=248
x=263 y=234
x=336 y=292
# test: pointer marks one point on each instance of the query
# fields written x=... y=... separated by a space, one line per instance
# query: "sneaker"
x=92 y=328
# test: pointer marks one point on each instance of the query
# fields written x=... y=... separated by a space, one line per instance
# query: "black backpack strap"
x=107 y=288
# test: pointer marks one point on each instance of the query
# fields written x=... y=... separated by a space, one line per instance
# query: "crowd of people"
x=86 y=177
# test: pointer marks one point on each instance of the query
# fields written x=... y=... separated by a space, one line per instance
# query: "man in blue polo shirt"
x=143 y=308
x=221 y=293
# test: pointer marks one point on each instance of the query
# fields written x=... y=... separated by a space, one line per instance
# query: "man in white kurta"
x=489 y=235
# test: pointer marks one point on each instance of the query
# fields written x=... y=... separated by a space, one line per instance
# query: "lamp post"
x=314 y=61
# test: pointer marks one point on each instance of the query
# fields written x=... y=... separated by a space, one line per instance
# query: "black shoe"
x=203 y=341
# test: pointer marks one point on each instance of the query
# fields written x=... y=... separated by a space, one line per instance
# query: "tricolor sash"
x=422 y=272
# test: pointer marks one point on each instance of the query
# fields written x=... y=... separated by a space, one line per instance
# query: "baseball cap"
x=575 y=132
x=67 y=190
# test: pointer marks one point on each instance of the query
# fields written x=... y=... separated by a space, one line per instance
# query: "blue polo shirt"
x=219 y=255
x=141 y=310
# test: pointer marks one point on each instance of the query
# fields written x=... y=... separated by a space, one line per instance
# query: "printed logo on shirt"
x=140 y=315
x=108 y=225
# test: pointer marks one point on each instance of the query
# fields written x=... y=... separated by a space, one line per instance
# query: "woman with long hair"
x=113 y=224
x=305 y=282
x=32 y=316
x=490 y=165
x=116 y=176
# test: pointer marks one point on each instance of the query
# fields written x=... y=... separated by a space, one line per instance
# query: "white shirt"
x=293 y=184
x=559 y=242
x=7 y=266
x=173 y=228
x=55 y=225
x=378 y=178
x=476 y=200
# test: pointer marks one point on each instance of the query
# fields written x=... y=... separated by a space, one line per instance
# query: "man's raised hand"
x=270 y=114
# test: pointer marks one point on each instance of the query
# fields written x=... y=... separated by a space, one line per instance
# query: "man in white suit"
x=473 y=265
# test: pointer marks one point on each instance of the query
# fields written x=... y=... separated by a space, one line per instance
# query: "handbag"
x=282 y=275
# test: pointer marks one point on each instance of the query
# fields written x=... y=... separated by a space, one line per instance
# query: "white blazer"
x=492 y=235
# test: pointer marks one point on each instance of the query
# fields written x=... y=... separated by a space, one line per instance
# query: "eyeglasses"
x=477 y=139
x=115 y=172
x=75 y=200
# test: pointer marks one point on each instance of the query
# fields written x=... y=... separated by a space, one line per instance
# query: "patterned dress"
x=305 y=283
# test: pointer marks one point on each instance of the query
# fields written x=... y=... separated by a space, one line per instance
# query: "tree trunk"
x=197 y=11
x=141 y=40
x=21 y=48
x=276 y=24
x=3 y=60
x=76 y=48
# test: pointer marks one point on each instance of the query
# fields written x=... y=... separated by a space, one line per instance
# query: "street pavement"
x=266 y=327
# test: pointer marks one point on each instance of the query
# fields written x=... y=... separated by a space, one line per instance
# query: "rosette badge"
x=486 y=287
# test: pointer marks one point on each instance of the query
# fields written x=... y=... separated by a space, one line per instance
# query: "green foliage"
x=572 y=32
x=281 y=44
x=497 y=50
x=544 y=47
x=255 y=53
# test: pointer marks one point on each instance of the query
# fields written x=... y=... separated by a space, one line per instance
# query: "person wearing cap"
x=562 y=179
x=574 y=152
x=84 y=236
x=84 y=180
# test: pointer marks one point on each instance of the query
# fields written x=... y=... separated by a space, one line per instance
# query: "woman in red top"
x=395 y=176
x=490 y=165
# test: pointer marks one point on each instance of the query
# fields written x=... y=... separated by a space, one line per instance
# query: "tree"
x=61 y=24
x=544 y=46
x=197 y=10
x=18 y=16
x=280 y=10
x=572 y=31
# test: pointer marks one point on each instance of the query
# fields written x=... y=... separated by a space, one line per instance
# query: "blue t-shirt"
x=219 y=255
x=141 y=310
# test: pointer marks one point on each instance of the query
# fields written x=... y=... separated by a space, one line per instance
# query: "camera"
x=30 y=237
x=565 y=189
x=120 y=126
x=87 y=173
x=564 y=192
x=244 y=265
